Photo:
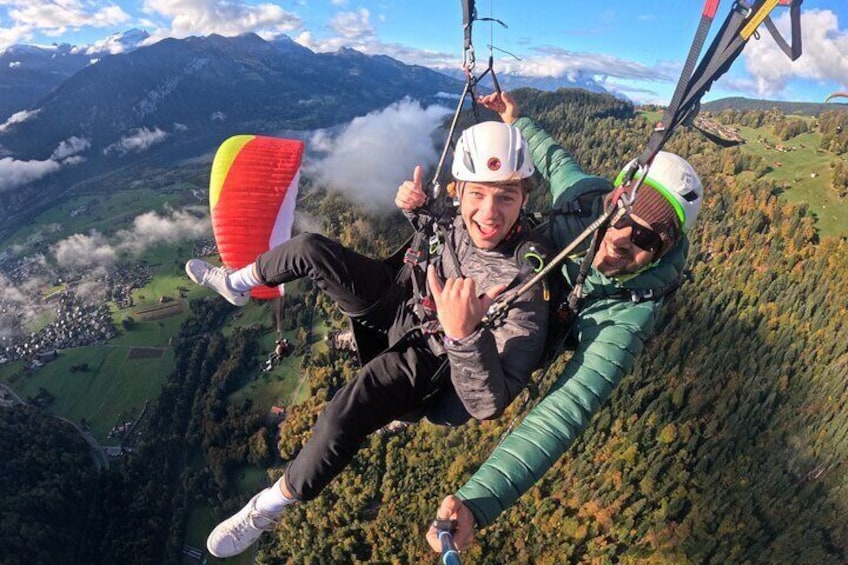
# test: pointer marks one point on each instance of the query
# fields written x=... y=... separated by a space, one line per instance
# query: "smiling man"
x=420 y=338
x=639 y=261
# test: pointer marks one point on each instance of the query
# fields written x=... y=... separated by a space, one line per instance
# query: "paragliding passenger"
x=640 y=260
x=436 y=358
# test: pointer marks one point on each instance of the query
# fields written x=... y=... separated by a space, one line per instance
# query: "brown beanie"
x=655 y=209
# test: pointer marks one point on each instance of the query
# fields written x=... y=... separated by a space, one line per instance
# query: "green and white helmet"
x=491 y=152
x=673 y=177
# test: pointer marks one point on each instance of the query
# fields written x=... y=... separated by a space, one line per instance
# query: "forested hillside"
x=728 y=442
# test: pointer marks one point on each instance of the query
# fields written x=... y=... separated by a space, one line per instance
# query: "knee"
x=311 y=244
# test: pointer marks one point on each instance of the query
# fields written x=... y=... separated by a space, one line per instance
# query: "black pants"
x=393 y=384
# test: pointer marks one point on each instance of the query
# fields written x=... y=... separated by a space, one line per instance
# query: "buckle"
x=428 y=303
x=413 y=256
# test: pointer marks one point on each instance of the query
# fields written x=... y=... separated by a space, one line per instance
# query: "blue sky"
x=633 y=47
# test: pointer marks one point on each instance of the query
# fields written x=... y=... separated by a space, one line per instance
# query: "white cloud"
x=14 y=34
x=338 y=2
x=353 y=26
x=140 y=140
x=14 y=64
x=95 y=252
x=17 y=118
x=83 y=252
x=16 y=308
x=14 y=173
x=560 y=63
x=824 y=58
x=112 y=45
x=70 y=146
x=376 y=152
x=354 y=30
x=56 y=17
x=152 y=229
x=224 y=17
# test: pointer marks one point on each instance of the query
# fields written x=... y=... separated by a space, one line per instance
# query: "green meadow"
x=804 y=171
x=112 y=389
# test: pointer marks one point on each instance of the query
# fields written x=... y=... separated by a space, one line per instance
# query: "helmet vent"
x=690 y=196
x=469 y=162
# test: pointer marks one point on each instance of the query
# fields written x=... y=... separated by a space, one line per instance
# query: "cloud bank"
x=15 y=173
x=825 y=56
x=375 y=153
x=17 y=118
x=55 y=18
x=234 y=17
x=95 y=252
x=140 y=140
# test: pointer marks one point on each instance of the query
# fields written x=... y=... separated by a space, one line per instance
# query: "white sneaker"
x=239 y=531
x=215 y=278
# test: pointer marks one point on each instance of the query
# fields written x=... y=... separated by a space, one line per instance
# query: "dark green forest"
x=727 y=443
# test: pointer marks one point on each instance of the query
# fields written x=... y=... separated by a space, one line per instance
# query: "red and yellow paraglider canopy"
x=252 y=195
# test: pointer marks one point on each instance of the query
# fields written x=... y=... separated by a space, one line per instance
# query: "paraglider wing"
x=836 y=95
x=252 y=193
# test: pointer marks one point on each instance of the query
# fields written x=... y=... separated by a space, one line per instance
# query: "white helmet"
x=491 y=152
x=673 y=177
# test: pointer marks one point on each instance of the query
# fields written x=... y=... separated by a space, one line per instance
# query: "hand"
x=410 y=194
x=458 y=306
x=452 y=508
x=503 y=104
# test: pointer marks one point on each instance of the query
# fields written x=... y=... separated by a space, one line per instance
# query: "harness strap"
x=793 y=50
x=739 y=26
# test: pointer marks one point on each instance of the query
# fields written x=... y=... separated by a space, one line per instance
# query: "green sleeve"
x=606 y=352
x=556 y=165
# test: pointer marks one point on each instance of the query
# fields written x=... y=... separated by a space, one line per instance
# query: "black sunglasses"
x=640 y=236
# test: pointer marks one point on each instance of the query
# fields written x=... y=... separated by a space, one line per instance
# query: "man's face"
x=490 y=210
x=618 y=254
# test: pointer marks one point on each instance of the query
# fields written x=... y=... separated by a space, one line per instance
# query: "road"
x=101 y=461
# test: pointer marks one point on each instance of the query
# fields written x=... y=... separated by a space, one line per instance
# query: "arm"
x=553 y=162
x=567 y=180
x=611 y=333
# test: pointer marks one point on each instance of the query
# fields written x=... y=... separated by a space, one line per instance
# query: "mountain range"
x=201 y=83
x=28 y=72
x=184 y=93
x=790 y=108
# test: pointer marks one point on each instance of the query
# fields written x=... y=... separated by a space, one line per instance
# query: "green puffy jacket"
x=611 y=330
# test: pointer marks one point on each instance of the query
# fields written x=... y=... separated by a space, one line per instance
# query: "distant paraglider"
x=843 y=94
x=252 y=193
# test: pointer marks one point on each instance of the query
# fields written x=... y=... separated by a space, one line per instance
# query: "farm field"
x=804 y=171
x=115 y=386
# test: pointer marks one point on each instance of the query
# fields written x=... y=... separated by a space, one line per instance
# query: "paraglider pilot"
x=640 y=260
x=439 y=361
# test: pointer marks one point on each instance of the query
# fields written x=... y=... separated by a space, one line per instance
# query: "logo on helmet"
x=494 y=164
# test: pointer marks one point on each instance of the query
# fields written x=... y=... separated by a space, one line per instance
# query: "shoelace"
x=239 y=528
x=214 y=274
